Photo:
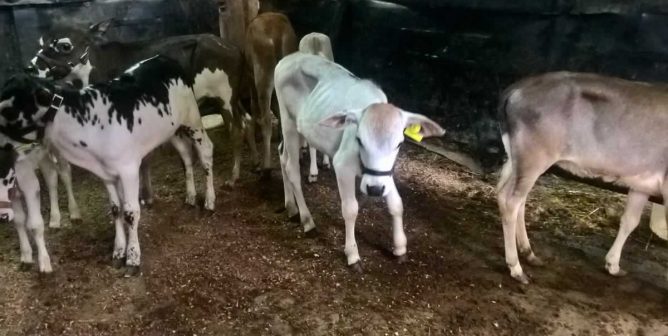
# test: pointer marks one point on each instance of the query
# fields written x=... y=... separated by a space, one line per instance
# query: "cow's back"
x=316 y=88
x=607 y=127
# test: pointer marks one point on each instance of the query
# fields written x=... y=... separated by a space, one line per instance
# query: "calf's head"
x=7 y=182
x=64 y=53
x=379 y=135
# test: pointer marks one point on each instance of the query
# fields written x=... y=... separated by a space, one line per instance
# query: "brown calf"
x=267 y=38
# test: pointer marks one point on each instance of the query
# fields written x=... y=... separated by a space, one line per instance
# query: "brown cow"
x=265 y=39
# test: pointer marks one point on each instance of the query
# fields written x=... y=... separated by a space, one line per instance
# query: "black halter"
x=369 y=171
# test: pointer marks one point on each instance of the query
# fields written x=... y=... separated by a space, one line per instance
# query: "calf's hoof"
x=132 y=271
x=326 y=166
x=533 y=260
x=311 y=233
x=118 y=263
x=312 y=178
x=615 y=270
x=76 y=221
x=402 y=259
x=309 y=225
x=147 y=202
x=191 y=200
x=523 y=278
x=25 y=267
x=230 y=183
x=209 y=205
x=357 y=267
x=294 y=218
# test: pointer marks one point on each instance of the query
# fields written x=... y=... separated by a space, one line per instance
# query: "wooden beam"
x=459 y=158
x=468 y=162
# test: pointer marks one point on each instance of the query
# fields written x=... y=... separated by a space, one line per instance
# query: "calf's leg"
x=182 y=146
x=264 y=84
x=146 y=191
x=118 y=256
x=48 y=169
x=29 y=185
x=396 y=209
x=291 y=152
x=131 y=213
x=345 y=179
x=523 y=239
x=65 y=173
x=21 y=230
x=204 y=148
x=325 y=161
x=634 y=205
x=288 y=192
x=313 y=169
x=514 y=186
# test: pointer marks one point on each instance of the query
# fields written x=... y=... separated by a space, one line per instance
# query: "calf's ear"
x=428 y=127
x=100 y=28
x=342 y=119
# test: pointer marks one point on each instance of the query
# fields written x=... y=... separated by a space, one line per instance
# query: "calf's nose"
x=375 y=190
x=4 y=218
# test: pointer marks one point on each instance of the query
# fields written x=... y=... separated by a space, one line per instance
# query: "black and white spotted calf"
x=7 y=186
x=109 y=128
x=83 y=55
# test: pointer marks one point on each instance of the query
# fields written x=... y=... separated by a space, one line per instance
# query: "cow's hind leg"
x=182 y=145
x=264 y=84
x=48 y=169
x=65 y=172
x=325 y=162
x=129 y=180
x=21 y=230
x=290 y=203
x=523 y=239
x=292 y=171
x=313 y=167
x=204 y=148
x=120 y=243
x=514 y=186
x=146 y=187
x=29 y=185
x=235 y=128
x=629 y=221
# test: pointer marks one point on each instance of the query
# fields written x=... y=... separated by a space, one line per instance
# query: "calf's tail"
x=502 y=117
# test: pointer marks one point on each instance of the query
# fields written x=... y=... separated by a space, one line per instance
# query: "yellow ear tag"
x=413 y=132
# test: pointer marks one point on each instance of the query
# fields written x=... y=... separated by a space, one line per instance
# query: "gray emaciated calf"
x=316 y=44
x=591 y=126
x=350 y=120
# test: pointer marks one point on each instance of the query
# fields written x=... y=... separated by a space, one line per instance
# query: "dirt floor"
x=244 y=270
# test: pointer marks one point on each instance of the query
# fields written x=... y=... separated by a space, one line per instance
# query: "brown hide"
x=268 y=37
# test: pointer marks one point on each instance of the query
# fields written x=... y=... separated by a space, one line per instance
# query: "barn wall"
x=445 y=58
x=22 y=22
x=450 y=58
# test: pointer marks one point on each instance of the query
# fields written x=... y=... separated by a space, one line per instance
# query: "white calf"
x=316 y=44
x=350 y=120
x=109 y=128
